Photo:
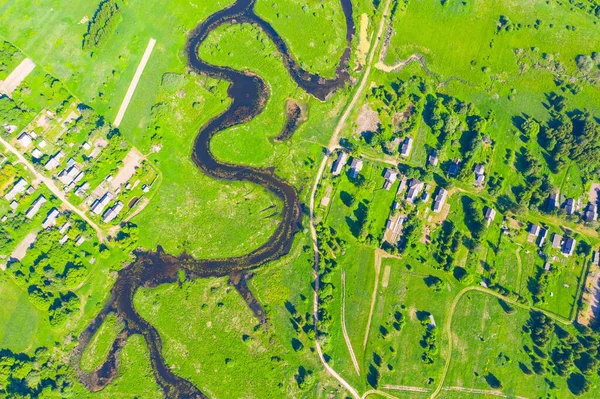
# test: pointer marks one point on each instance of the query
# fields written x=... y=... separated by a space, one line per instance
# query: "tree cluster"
x=101 y=27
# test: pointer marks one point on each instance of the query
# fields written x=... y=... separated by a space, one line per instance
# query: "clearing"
x=16 y=77
x=130 y=164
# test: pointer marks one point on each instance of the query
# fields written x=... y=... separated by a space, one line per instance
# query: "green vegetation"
x=102 y=26
x=509 y=86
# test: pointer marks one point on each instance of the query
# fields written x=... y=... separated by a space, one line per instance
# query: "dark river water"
x=249 y=95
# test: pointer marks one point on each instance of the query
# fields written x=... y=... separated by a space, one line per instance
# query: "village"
x=429 y=199
x=66 y=161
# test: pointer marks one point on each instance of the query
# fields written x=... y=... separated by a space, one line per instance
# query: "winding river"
x=249 y=95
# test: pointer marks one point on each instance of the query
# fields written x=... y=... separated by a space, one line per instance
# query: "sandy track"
x=378 y=255
x=344 y=331
x=134 y=82
x=17 y=76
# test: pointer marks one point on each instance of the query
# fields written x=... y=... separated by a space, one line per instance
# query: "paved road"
x=55 y=190
x=134 y=82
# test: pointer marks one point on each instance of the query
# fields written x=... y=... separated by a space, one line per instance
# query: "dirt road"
x=134 y=82
x=333 y=143
x=344 y=331
x=55 y=190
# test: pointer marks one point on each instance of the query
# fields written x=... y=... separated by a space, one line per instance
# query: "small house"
x=24 y=140
x=553 y=201
x=414 y=190
x=489 y=215
x=406 y=147
x=534 y=230
x=390 y=177
x=570 y=206
x=339 y=163
x=454 y=166
x=556 y=241
x=433 y=159
x=568 y=246
x=51 y=218
x=440 y=200
x=355 y=167
x=18 y=188
x=542 y=237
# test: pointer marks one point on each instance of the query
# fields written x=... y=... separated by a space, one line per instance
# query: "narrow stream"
x=249 y=95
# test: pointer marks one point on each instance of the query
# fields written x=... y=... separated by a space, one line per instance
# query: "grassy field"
x=211 y=310
x=317 y=50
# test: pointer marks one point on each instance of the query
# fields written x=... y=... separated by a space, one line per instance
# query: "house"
x=355 y=167
x=10 y=129
x=36 y=153
x=64 y=239
x=542 y=237
x=440 y=200
x=453 y=169
x=547 y=266
x=18 y=188
x=414 y=190
x=591 y=212
x=534 y=230
x=24 y=140
x=54 y=160
x=35 y=207
x=113 y=212
x=568 y=246
x=556 y=241
x=63 y=229
x=339 y=163
x=14 y=205
x=401 y=186
x=570 y=206
x=99 y=205
x=51 y=218
x=426 y=195
x=406 y=147
x=433 y=159
x=390 y=178
x=80 y=240
x=68 y=175
x=82 y=189
x=86 y=146
x=30 y=190
x=479 y=175
x=596 y=258
x=553 y=201
x=489 y=214
x=70 y=162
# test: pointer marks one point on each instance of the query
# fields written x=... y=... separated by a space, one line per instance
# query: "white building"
x=99 y=205
x=440 y=200
x=406 y=147
x=35 y=207
x=113 y=212
x=339 y=163
x=24 y=140
x=51 y=218
x=18 y=188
